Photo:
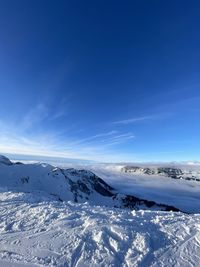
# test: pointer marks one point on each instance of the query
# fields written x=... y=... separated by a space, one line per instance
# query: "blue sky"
x=100 y=80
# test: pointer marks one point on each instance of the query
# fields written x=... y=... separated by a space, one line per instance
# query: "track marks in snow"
x=50 y=233
x=76 y=256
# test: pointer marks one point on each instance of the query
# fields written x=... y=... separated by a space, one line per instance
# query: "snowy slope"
x=70 y=184
x=66 y=218
x=36 y=230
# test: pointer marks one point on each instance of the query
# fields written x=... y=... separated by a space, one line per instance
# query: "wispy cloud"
x=136 y=119
x=61 y=110
x=34 y=116
x=94 y=138
x=32 y=136
x=118 y=139
x=155 y=116
x=42 y=112
x=99 y=147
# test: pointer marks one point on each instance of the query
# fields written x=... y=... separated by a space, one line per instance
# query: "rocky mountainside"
x=175 y=173
x=69 y=184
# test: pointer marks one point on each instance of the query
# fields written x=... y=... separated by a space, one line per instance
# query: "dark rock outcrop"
x=84 y=183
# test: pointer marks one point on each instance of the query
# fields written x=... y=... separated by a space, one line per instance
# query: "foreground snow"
x=36 y=230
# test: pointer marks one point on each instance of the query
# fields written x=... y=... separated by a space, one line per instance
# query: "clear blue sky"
x=102 y=80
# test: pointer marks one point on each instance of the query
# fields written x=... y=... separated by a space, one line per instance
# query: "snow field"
x=36 y=230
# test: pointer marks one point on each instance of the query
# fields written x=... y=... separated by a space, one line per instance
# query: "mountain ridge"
x=167 y=171
x=70 y=184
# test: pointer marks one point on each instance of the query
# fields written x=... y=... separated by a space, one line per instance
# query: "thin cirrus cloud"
x=52 y=147
x=35 y=116
x=119 y=139
x=95 y=138
x=41 y=112
x=168 y=110
x=136 y=119
x=175 y=108
x=24 y=137
x=99 y=142
x=15 y=140
x=46 y=110
x=157 y=116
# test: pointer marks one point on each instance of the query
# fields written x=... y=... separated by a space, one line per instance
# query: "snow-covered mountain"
x=167 y=171
x=57 y=217
x=4 y=160
x=69 y=184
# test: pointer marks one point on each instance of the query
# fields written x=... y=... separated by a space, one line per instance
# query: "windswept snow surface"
x=36 y=230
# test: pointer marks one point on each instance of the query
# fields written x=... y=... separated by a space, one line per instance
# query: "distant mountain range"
x=171 y=172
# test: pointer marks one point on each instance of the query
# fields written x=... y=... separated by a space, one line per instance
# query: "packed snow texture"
x=36 y=230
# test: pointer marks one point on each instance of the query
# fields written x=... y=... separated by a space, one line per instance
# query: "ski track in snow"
x=38 y=231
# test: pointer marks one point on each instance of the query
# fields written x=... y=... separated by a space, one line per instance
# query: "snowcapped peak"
x=5 y=160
